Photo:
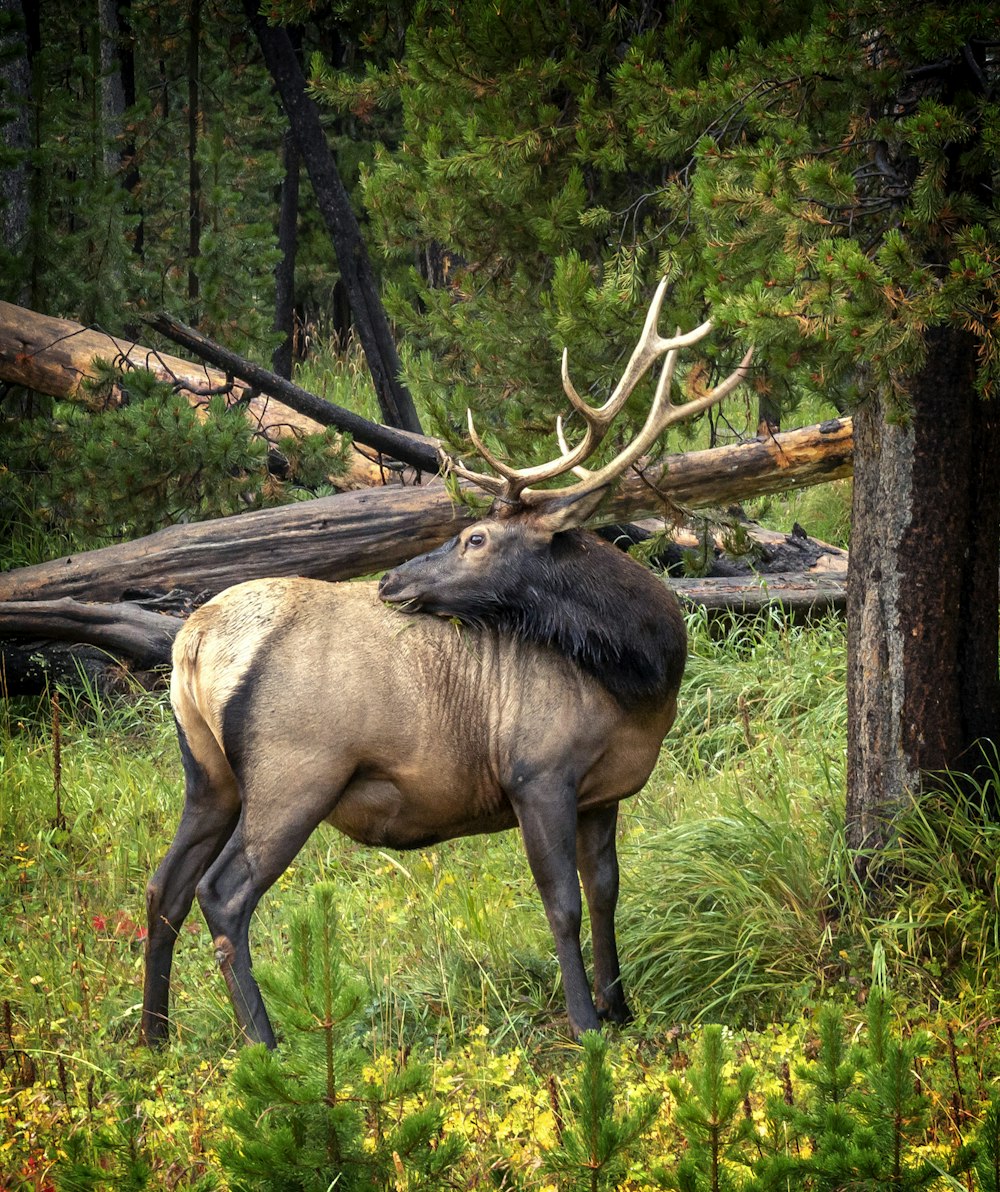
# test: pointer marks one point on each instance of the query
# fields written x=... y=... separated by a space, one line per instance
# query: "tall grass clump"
x=937 y=885
x=732 y=876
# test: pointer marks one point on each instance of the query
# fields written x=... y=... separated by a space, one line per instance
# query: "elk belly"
x=374 y=811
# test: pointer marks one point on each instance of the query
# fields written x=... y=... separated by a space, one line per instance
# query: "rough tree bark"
x=922 y=685
x=335 y=207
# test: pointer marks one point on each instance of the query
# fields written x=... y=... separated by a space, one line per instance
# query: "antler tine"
x=565 y=448
x=663 y=413
x=452 y=465
x=650 y=346
x=515 y=480
x=498 y=466
x=512 y=485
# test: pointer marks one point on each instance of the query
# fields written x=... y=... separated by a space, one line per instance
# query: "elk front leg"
x=546 y=812
x=597 y=861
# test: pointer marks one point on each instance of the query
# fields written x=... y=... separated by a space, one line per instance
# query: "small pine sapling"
x=981 y=1154
x=895 y=1107
x=597 y=1139
x=859 y=1116
x=319 y=1112
x=821 y=1127
x=710 y=1112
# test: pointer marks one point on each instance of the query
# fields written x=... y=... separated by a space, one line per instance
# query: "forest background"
x=821 y=178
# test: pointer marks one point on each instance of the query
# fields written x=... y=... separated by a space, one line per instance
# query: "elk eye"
x=475 y=540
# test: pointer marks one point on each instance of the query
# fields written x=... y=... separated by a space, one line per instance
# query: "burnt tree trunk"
x=284 y=270
x=922 y=686
x=334 y=204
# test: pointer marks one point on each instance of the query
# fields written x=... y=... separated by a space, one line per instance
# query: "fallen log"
x=57 y=357
x=111 y=648
x=123 y=627
x=801 y=597
x=360 y=532
x=764 y=552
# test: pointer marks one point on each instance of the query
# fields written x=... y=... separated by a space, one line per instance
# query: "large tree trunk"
x=112 y=88
x=360 y=532
x=335 y=207
x=922 y=684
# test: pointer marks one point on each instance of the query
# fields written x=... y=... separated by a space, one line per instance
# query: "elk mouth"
x=403 y=591
x=395 y=590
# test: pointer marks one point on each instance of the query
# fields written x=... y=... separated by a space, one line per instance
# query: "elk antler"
x=511 y=485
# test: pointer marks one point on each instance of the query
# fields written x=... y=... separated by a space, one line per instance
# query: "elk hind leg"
x=211 y=811
x=267 y=839
x=597 y=861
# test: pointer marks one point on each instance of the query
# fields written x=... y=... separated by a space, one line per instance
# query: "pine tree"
x=86 y=479
x=710 y=1110
x=981 y=1154
x=319 y=1111
x=859 y=1115
x=100 y=248
x=513 y=158
x=820 y=179
x=597 y=1140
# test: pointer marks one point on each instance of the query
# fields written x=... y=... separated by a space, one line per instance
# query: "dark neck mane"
x=605 y=613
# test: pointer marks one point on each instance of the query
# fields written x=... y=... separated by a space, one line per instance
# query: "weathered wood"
x=57 y=357
x=721 y=475
x=801 y=596
x=356 y=533
x=121 y=628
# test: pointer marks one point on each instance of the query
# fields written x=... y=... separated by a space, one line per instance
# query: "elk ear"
x=569 y=512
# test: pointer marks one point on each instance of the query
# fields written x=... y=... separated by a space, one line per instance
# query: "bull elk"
x=523 y=674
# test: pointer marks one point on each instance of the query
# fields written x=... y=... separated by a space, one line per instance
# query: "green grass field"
x=737 y=906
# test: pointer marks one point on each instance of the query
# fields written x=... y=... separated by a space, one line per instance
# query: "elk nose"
x=388 y=585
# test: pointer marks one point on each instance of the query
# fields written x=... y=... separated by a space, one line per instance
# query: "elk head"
x=472 y=574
